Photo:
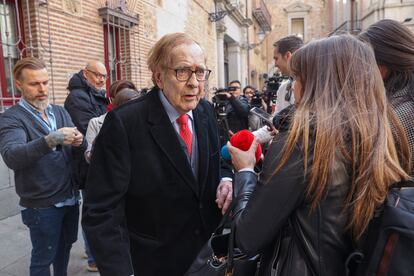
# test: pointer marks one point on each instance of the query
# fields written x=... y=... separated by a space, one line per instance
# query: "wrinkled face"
x=297 y=90
x=96 y=75
x=34 y=86
x=281 y=61
x=182 y=95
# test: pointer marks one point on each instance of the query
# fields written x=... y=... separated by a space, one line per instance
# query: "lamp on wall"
x=219 y=14
x=261 y=35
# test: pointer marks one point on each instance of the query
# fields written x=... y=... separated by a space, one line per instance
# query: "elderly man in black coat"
x=154 y=176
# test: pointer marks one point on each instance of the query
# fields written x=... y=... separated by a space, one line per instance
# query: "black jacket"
x=145 y=211
x=274 y=217
x=237 y=111
x=84 y=102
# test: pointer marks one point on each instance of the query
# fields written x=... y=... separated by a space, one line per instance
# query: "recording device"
x=220 y=99
x=220 y=102
x=272 y=85
x=263 y=115
x=243 y=139
x=256 y=100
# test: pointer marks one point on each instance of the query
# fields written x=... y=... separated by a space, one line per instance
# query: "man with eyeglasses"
x=86 y=100
x=154 y=176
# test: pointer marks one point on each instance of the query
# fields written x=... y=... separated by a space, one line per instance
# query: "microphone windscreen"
x=225 y=153
x=243 y=140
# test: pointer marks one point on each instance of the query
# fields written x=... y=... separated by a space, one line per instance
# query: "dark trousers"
x=52 y=232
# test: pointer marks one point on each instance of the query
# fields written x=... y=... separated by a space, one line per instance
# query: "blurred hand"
x=224 y=195
x=228 y=95
x=69 y=134
x=78 y=139
x=243 y=159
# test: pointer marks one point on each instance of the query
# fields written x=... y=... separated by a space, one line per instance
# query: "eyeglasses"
x=184 y=74
x=98 y=75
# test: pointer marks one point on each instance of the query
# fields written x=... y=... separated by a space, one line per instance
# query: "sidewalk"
x=15 y=250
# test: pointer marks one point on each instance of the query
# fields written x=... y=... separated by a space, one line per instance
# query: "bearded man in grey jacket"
x=37 y=140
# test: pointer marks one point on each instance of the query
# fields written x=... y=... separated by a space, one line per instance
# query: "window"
x=226 y=64
x=119 y=39
x=298 y=27
x=11 y=44
x=112 y=54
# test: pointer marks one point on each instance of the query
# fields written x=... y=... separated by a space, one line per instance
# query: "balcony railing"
x=263 y=17
x=348 y=26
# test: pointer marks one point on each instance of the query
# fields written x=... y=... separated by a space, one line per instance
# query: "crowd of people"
x=148 y=168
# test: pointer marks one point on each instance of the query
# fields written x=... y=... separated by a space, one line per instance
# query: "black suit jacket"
x=144 y=208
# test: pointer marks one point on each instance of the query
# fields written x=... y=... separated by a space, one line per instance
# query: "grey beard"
x=41 y=105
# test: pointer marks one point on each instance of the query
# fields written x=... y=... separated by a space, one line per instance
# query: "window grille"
x=18 y=41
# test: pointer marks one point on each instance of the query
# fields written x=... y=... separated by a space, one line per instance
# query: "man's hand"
x=64 y=136
x=78 y=139
x=69 y=134
x=224 y=195
x=228 y=95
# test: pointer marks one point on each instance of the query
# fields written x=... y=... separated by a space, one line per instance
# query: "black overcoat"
x=144 y=208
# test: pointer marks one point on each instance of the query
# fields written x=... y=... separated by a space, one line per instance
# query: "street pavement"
x=15 y=250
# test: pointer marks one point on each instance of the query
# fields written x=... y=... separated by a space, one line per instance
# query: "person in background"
x=315 y=196
x=393 y=45
x=237 y=109
x=254 y=99
x=95 y=124
x=117 y=86
x=37 y=141
x=284 y=49
x=85 y=101
x=87 y=98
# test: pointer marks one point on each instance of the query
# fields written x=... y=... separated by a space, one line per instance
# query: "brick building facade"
x=68 y=33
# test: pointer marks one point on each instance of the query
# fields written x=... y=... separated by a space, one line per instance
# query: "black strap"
x=230 y=260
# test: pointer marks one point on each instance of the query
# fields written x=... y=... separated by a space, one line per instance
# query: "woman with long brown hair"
x=393 y=45
x=322 y=179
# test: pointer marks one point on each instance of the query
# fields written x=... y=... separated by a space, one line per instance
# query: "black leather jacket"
x=273 y=218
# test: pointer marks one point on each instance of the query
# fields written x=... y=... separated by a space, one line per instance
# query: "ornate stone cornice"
x=298 y=7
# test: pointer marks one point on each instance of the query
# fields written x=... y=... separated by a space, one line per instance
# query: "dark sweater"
x=43 y=177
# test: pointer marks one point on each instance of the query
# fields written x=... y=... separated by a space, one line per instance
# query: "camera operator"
x=255 y=99
x=248 y=92
x=237 y=108
x=284 y=48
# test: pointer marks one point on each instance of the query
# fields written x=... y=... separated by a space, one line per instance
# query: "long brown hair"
x=393 y=44
x=343 y=107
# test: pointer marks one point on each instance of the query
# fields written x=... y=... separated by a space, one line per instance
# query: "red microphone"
x=243 y=139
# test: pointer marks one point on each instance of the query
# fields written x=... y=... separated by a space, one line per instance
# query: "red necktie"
x=185 y=132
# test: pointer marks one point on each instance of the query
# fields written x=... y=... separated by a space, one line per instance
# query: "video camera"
x=220 y=100
x=256 y=100
x=272 y=85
